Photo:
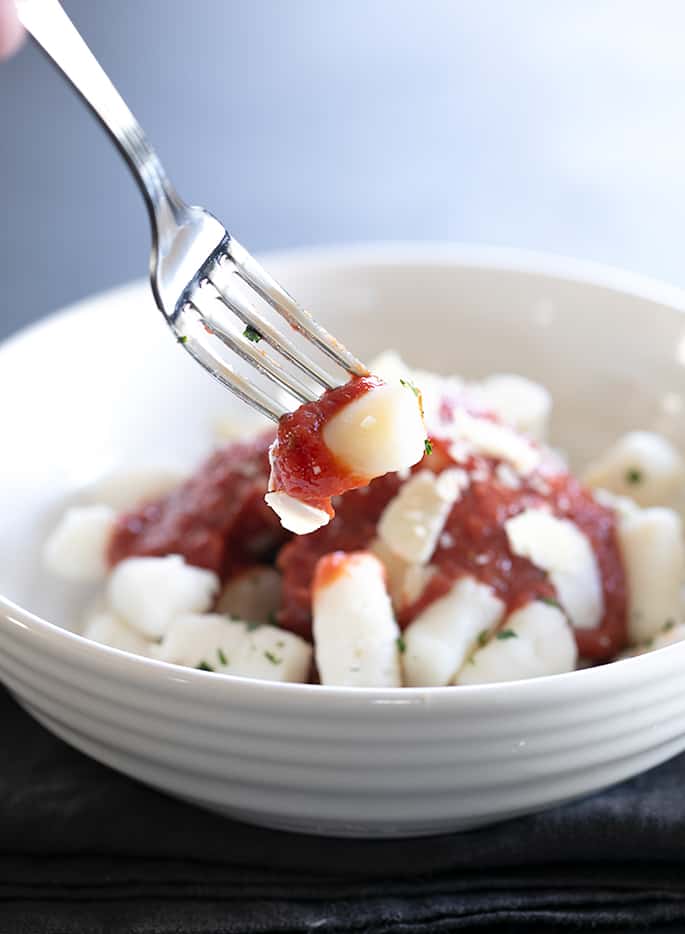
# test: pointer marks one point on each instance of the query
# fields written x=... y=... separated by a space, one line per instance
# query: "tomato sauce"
x=473 y=542
x=217 y=519
x=302 y=464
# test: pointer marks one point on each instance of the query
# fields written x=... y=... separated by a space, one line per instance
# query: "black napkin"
x=84 y=849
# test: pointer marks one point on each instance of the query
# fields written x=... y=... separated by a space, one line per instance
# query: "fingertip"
x=11 y=30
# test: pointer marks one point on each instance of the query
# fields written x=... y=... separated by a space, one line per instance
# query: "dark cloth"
x=84 y=849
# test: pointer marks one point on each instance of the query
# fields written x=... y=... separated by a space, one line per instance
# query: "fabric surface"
x=84 y=849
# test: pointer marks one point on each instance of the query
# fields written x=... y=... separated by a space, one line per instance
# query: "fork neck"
x=54 y=32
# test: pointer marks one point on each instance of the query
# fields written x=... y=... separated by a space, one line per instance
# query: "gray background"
x=548 y=124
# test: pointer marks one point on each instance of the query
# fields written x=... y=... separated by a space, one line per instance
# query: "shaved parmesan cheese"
x=216 y=643
x=560 y=548
x=441 y=637
x=379 y=432
x=77 y=549
x=411 y=523
x=488 y=438
x=148 y=593
x=641 y=465
x=296 y=516
x=355 y=633
x=651 y=543
x=534 y=641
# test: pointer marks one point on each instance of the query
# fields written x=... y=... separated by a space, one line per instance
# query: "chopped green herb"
x=252 y=626
x=668 y=625
x=274 y=659
x=182 y=339
x=409 y=385
x=203 y=666
x=483 y=637
x=401 y=644
x=280 y=644
x=633 y=475
x=550 y=601
x=428 y=446
x=222 y=656
x=252 y=334
x=471 y=660
x=273 y=618
x=506 y=634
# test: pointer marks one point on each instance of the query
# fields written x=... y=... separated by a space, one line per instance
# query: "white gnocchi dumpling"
x=127 y=489
x=253 y=594
x=216 y=643
x=378 y=432
x=441 y=637
x=105 y=627
x=77 y=548
x=356 y=636
x=149 y=593
x=518 y=401
x=533 y=641
x=558 y=547
x=642 y=465
x=653 y=552
x=404 y=580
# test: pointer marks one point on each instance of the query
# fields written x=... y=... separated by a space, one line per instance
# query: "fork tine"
x=191 y=332
x=280 y=342
x=258 y=278
x=213 y=311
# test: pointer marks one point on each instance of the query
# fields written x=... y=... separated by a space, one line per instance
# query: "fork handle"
x=54 y=32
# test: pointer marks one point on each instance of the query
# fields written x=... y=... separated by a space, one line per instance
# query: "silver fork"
x=196 y=266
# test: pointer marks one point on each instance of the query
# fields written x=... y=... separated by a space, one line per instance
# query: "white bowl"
x=103 y=386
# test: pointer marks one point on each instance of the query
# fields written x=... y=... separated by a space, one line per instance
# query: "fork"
x=198 y=271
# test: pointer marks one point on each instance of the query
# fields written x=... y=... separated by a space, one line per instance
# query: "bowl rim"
x=608 y=678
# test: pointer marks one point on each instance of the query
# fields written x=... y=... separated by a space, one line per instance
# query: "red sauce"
x=302 y=464
x=217 y=519
x=473 y=542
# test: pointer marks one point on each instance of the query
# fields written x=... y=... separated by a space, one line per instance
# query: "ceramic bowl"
x=104 y=386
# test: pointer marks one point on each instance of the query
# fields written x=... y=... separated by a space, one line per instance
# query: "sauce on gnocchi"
x=390 y=536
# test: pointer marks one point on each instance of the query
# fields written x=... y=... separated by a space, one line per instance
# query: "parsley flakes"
x=633 y=476
x=428 y=446
x=550 y=601
x=483 y=637
x=506 y=634
x=182 y=339
x=274 y=659
x=222 y=657
x=401 y=644
x=204 y=666
x=252 y=334
x=409 y=385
